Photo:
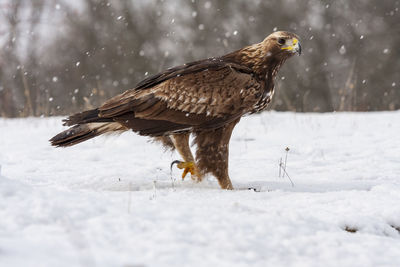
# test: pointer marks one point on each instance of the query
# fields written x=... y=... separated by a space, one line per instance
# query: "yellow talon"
x=186 y=166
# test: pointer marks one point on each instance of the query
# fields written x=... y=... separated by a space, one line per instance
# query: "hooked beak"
x=294 y=47
x=298 y=48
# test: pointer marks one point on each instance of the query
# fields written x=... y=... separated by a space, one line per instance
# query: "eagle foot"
x=186 y=166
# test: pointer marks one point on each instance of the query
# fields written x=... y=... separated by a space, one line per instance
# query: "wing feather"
x=204 y=94
x=188 y=68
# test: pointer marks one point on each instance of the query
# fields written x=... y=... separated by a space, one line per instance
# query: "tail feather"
x=85 y=125
x=85 y=117
x=83 y=132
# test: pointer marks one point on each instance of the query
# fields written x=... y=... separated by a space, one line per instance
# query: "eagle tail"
x=85 y=117
x=85 y=126
x=83 y=132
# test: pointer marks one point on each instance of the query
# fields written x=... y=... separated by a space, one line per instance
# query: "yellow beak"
x=292 y=45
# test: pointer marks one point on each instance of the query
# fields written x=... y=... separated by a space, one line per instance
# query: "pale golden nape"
x=205 y=98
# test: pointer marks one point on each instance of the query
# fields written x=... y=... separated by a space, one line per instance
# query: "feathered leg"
x=165 y=141
x=212 y=153
x=181 y=143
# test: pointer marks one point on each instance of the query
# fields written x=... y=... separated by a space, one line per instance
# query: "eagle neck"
x=264 y=64
x=273 y=66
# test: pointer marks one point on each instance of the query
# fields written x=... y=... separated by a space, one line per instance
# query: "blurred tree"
x=59 y=57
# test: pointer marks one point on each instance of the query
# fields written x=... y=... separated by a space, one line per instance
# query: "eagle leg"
x=213 y=152
x=181 y=143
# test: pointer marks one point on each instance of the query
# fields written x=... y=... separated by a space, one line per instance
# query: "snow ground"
x=96 y=204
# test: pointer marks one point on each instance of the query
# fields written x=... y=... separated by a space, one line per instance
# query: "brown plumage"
x=205 y=98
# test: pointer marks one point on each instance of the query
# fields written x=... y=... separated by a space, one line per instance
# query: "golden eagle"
x=205 y=98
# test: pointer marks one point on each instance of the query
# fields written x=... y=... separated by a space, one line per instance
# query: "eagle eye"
x=281 y=41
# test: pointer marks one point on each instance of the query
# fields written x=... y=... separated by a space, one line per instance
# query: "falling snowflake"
x=342 y=50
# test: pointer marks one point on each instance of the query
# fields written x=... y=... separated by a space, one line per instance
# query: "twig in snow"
x=154 y=190
x=290 y=179
x=282 y=167
x=172 y=179
x=287 y=151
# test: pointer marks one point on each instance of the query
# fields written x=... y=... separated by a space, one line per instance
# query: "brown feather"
x=83 y=132
x=85 y=117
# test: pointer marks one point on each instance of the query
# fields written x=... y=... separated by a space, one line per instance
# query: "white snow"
x=96 y=204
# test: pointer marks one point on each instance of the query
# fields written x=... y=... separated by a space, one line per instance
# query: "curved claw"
x=175 y=162
x=186 y=166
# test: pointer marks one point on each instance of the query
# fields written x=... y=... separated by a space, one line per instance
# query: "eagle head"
x=269 y=55
x=282 y=43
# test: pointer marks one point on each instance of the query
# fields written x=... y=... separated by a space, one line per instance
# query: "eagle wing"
x=201 y=95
